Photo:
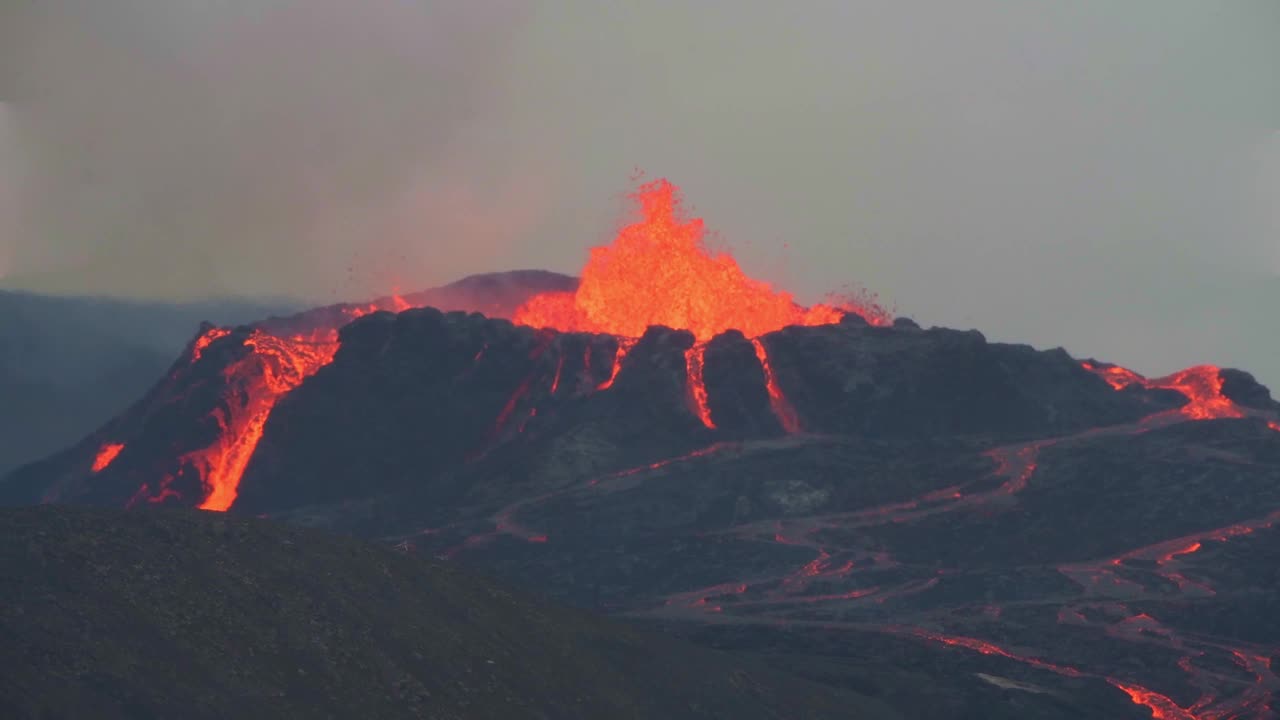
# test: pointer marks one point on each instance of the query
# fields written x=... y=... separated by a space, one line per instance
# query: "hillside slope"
x=68 y=364
x=166 y=614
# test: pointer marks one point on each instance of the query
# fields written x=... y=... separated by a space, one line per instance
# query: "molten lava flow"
x=1201 y=385
x=106 y=455
x=693 y=368
x=1116 y=376
x=659 y=271
x=624 y=346
x=1162 y=708
x=271 y=367
x=555 y=382
x=782 y=408
x=205 y=340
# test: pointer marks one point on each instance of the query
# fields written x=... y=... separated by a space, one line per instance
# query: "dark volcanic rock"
x=409 y=397
x=1244 y=390
x=175 y=614
x=987 y=520
x=888 y=382
x=735 y=382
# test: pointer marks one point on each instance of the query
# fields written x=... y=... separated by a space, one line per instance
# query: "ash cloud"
x=309 y=149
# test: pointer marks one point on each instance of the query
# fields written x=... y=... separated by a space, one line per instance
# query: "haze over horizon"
x=1090 y=175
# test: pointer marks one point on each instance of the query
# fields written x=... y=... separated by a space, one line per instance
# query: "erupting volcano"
x=658 y=271
x=671 y=439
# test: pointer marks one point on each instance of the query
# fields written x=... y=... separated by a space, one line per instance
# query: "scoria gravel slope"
x=175 y=614
x=953 y=525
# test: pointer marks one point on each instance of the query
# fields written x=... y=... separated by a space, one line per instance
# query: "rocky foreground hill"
x=960 y=528
x=176 y=614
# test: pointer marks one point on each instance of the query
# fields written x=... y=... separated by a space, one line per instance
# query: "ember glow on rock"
x=659 y=271
x=1202 y=386
x=272 y=367
x=782 y=408
x=205 y=340
x=697 y=388
x=106 y=455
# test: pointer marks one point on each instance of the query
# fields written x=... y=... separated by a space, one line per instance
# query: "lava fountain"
x=660 y=271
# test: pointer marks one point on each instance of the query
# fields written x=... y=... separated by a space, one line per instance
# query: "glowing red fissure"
x=693 y=359
x=782 y=408
x=107 y=454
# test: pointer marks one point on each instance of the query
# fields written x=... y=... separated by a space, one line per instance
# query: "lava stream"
x=271 y=367
x=693 y=358
x=206 y=339
x=1098 y=576
x=624 y=346
x=107 y=454
x=1201 y=385
x=782 y=407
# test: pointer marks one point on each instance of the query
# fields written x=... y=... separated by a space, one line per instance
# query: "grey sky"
x=1102 y=175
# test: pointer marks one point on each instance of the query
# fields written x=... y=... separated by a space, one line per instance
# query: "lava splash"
x=660 y=271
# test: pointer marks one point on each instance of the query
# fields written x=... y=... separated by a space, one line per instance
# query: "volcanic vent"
x=659 y=271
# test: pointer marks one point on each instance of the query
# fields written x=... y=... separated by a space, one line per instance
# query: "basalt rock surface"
x=955 y=525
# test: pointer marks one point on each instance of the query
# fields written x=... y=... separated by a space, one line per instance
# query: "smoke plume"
x=194 y=149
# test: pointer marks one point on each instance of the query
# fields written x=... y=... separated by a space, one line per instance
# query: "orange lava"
x=1202 y=386
x=693 y=368
x=205 y=340
x=555 y=382
x=659 y=271
x=782 y=407
x=1162 y=708
x=1116 y=376
x=106 y=455
x=272 y=367
x=624 y=345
